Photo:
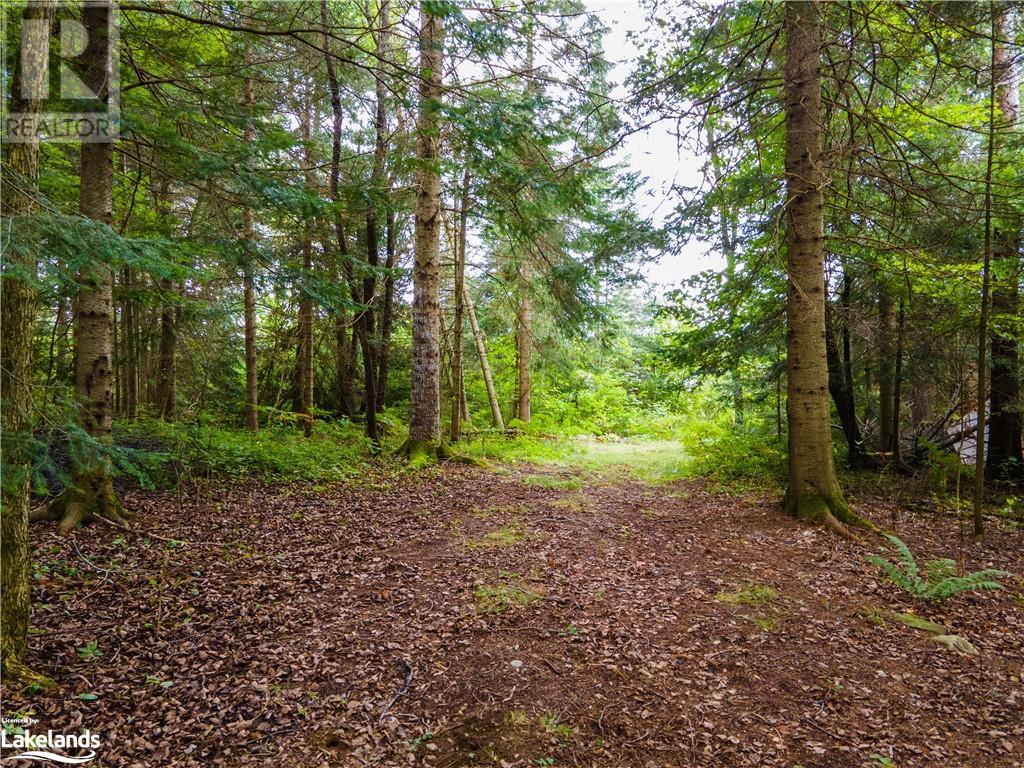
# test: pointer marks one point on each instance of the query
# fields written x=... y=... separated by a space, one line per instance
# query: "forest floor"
x=527 y=616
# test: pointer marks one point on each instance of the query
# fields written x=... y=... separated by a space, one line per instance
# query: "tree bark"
x=986 y=282
x=458 y=378
x=813 y=492
x=17 y=315
x=130 y=345
x=885 y=369
x=305 y=345
x=387 y=314
x=252 y=416
x=166 y=355
x=425 y=406
x=842 y=396
x=91 y=492
x=346 y=350
x=1005 y=449
x=524 y=348
x=377 y=193
x=485 y=366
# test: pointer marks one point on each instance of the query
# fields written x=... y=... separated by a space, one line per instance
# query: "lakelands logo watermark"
x=39 y=746
x=65 y=69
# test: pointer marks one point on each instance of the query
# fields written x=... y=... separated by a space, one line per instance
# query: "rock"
x=956 y=643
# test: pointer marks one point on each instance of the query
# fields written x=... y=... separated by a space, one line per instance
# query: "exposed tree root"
x=90 y=496
x=828 y=510
x=15 y=672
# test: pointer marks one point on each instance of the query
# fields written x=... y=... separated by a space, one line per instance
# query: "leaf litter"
x=255 y=625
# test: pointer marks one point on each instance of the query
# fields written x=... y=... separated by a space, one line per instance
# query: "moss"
x=91 y=495
x=826 y=509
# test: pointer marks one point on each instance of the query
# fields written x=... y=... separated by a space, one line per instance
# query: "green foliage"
x=937 y=581
x=90 y=651
x=753 y=595
x=336 y=451
x=504 y=593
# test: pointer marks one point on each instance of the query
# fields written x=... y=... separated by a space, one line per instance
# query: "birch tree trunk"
x=524 y=348
x=813 y=492
x=485 y=366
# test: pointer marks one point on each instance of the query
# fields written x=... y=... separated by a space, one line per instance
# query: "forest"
x=517 y=383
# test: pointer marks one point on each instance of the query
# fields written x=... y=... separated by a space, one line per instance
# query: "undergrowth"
x=336 y=451
x=938 y=580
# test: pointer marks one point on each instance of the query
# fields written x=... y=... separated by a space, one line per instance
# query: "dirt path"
x=458 y=618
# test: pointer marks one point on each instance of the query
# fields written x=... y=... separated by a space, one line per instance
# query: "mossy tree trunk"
x=91 y=491
x=425 y=402
x=813 y=492
x=304 y=352
x=17 y=315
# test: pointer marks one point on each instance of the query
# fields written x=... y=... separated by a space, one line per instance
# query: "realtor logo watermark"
x=15 y=734
x=67 y=81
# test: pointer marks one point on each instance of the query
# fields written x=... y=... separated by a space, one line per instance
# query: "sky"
x=653 y=153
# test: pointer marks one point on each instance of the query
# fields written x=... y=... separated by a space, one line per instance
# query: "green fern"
x=939 y=581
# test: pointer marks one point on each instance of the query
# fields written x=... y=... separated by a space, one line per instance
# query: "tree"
x=91 y=492
x=425 y=400
x=813 y=492
x=1005 y=451
x=17 y=315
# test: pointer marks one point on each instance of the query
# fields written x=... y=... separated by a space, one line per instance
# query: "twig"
x=401 y=691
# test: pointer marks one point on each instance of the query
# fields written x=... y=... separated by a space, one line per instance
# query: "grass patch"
x=506 y=536
x=753 y=595
x=553 y=725
x=547 y=481
x=505 y=593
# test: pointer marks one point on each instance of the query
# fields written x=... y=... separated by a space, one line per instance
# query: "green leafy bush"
x=937 y=581
x=336 y=451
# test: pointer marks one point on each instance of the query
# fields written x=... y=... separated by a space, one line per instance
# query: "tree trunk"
x=17 y=315
x=842 y=396
x=346 y=352
x=524 y=346
x=387 y=315
x=813 y=492
x=168 y=346
x=252 y=416
x=897 y=384
x=305 y=341
x=377 y=192
x=1005 y=450
x=459 y=393
x=425 y=406
x=91 y=491
x=485 y=366
x=130 y=344
x=885 y=369
x=986 y=281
